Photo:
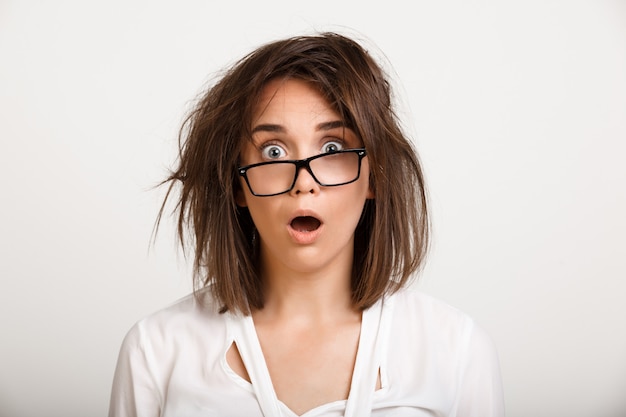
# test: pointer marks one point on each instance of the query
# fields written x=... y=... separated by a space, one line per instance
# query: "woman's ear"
x=370 y=190
x=240 y=197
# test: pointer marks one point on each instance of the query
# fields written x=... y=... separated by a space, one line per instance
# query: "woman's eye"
x=332 y=147
x=273 y=152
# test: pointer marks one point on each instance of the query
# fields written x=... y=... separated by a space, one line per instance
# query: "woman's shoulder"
x=419 y=310
x=416 y=302
x=198 y=305
x=193 y=314
x=434 y=319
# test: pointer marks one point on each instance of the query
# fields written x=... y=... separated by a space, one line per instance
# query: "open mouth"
x=305 y=224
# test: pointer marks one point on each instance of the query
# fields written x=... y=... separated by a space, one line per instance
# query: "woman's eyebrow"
x=331 y=125
x=268 y=128
x=274 y=128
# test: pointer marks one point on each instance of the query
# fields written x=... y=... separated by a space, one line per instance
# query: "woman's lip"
x=304 y=213
x=304 y=237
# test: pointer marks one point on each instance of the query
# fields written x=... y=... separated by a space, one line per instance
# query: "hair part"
x=392 y=237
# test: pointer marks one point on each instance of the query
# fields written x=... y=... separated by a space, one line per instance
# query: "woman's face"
x=310 y=228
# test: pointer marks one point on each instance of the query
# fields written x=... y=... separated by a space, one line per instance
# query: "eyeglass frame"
x=303 y=163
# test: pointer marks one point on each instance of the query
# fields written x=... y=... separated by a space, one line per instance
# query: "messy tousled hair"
x=392 y=236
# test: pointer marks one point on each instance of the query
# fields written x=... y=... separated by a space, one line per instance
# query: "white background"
x=518 y=110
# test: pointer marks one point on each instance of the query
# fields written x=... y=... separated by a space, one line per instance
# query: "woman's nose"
x=305 y=183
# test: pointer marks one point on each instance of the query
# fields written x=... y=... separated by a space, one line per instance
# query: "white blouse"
x=433 y=361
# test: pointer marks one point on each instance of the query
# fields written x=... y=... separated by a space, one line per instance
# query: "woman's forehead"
x=282 y=99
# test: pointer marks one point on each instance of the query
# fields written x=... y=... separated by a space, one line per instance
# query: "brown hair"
x=392 y=236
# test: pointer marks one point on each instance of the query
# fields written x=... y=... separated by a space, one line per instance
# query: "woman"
x=306 y=207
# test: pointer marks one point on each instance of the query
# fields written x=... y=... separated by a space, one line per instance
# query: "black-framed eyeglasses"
x=266 y=179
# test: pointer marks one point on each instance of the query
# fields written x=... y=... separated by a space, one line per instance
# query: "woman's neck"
x=318 y=296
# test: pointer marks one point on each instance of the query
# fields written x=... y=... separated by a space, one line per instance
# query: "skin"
x=308 y=329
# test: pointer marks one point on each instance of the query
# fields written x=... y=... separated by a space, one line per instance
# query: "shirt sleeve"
x=134 y=392
x=481 y=393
